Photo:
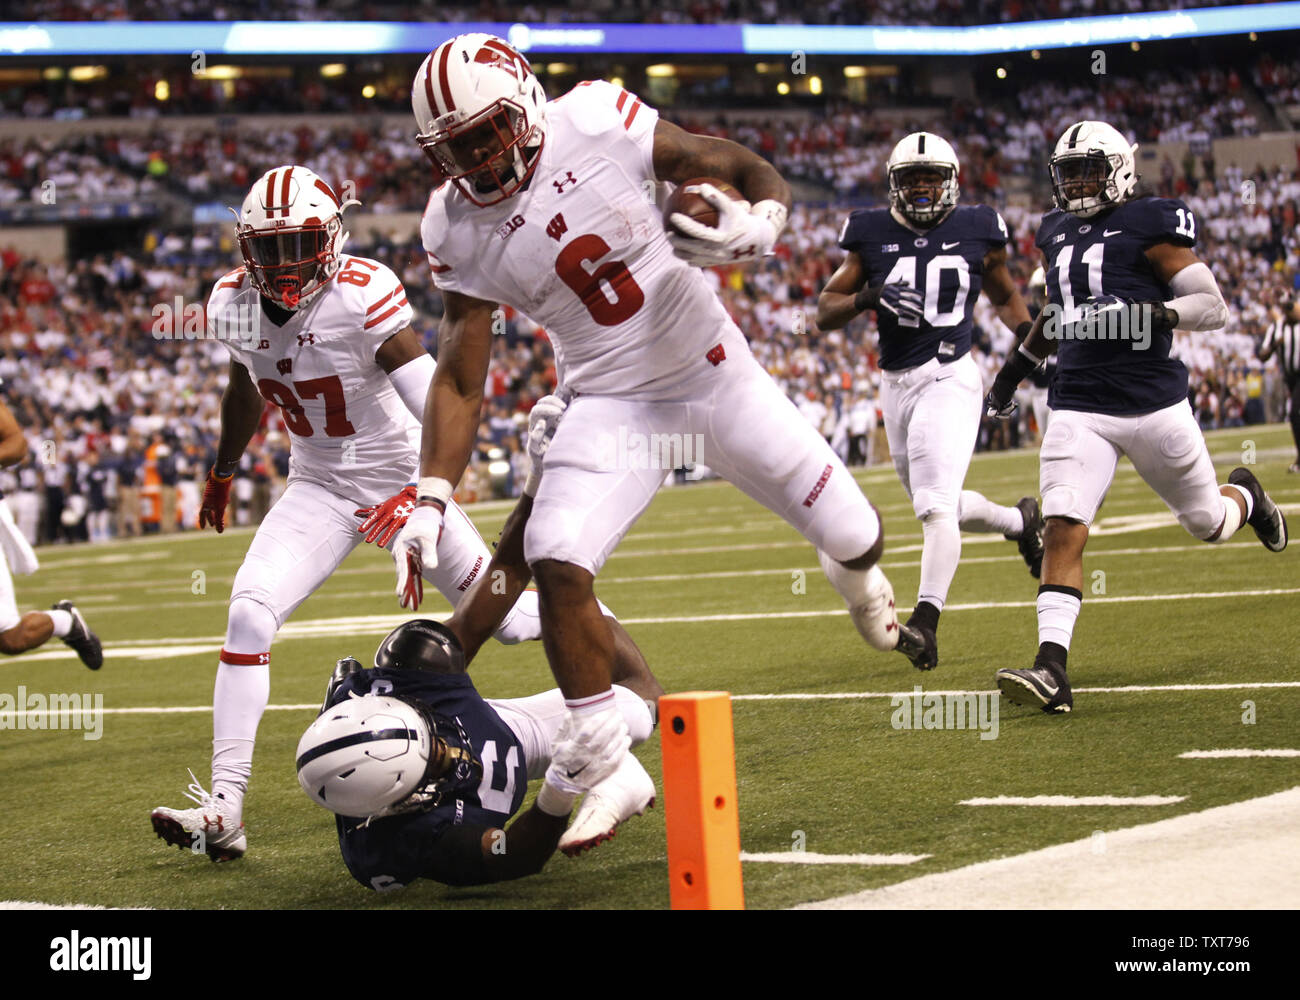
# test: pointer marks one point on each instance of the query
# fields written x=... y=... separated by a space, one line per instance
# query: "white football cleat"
x=211 y=829
x=628 y=792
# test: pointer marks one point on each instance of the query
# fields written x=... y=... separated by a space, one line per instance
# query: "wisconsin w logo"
x=557 y=227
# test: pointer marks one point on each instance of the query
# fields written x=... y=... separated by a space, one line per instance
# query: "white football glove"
x=543 y=420
x=742 y=233
x=542 y=423
x=588 y=749
x=415 y=550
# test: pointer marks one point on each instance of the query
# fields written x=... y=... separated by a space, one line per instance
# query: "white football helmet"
x=481 y=116
x=290 y=231
x=366 y=755
x=1092 y=155
x=923 y=151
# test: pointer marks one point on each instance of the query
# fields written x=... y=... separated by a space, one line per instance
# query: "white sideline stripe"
x=792 y=696
x=807 y=858
x=1127 y=689
x=1220 y=754
x=1238 y=856
x=25 y=904
x=1074 y=800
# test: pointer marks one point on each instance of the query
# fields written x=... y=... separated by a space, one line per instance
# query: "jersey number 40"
x=904 y=270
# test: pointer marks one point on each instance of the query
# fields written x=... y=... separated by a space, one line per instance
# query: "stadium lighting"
x=83 y=73
x=814 y=84
x=219 y=73
x=1001 y=72
x=162 y=91
x=281 y=38
x=333 y=69
x=783 y=88
x=661 y=70
x=368 y=91
x=855 y=72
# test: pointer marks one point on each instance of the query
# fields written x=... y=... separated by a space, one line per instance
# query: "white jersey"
x=582 y=251
x=349 y=429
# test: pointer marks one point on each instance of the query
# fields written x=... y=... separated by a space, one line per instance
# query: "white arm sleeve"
x=412 y=383
x=1197 y=299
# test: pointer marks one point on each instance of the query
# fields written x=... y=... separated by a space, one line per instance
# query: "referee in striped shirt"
x=1283 y=339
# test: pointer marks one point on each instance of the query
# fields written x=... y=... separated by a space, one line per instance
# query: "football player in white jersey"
x=326 y=337
x=551 y=208
x=920 y=264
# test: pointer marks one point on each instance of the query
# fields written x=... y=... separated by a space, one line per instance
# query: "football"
x=696 y=206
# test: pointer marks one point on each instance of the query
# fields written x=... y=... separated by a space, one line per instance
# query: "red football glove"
x=384 y=520
x=216 y=494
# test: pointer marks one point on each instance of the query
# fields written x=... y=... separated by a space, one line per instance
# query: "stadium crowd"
x=843 y=149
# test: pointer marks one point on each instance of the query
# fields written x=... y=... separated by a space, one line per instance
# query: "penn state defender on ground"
x=920 y=265
x=548 y=208
x=456 y=767
x=1121 y=277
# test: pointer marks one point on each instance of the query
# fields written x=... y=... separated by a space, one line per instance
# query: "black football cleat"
x=919 y=645
x=1041 y=686
x=1267 y=519
x=81 y=639
x=1030 y=540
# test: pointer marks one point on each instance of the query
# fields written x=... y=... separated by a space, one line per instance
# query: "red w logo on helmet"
x=496 y=53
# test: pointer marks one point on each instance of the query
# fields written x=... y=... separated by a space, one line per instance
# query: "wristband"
x=1029 y=356
x=217 y=472
x=866 y=299
x=554 y=801
x=533 y=481
x=435 y=489
x=1023 y=330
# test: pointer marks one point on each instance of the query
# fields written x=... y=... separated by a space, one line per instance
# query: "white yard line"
x=1074 y=800
x=791 y=696
x=808 y=858
x=25 y=904
x=1224 y=754
x=1239 y=856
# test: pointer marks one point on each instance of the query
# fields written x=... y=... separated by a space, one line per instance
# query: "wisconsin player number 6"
x=569 y=265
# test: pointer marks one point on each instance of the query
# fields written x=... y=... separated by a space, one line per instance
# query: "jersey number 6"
x=571 y=266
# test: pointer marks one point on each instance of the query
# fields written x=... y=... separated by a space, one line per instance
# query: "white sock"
x=62 y=621
x=870 y=599
x=940 y=554
x=1058 y=609
x=1232 y=520
x=1245 y=496
x=976 y=512
x=240 y=697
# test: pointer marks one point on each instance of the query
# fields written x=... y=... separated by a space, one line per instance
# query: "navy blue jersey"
x=946 y=264
x=1106 y=255
x=396 y=850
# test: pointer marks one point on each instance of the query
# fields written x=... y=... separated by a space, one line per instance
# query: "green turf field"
x=708 y=583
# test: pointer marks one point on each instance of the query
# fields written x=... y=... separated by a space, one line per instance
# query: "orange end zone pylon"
x=700 y=811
